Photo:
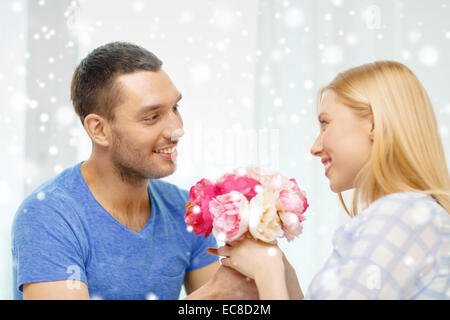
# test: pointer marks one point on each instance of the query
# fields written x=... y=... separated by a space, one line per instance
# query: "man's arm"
x=197 y=278
x=56 y=290
x=226 y=284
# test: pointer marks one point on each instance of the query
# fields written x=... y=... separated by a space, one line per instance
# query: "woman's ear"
x=98 y=129
x=372 y=128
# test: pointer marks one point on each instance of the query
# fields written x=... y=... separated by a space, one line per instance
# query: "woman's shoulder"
x=409 y=208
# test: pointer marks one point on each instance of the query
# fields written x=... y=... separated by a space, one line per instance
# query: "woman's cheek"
x=328 y=141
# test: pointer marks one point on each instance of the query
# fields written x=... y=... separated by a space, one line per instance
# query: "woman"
x=378 y=136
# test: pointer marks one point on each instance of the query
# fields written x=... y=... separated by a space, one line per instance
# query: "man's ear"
x=98 y=129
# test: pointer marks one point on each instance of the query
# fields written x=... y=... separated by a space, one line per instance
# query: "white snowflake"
x=308 y=84
x=40 y=196
x=44 y=117
x=406 y=55
x=58 y=169
x=293 y=18
x=53 y=150
x=295 y=118
x=33 y=104
x=138 y=6
x=351 y=39
x=332 y=55
x=151 y=296
x=414 y=36
x=428 y=55
x=272 y=252
x=16 y=6
x=278 y=102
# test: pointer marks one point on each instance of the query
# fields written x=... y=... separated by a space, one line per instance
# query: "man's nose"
x=176 y=134
x=174 y=129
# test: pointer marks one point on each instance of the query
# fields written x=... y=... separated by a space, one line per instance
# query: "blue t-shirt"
x=61 y=232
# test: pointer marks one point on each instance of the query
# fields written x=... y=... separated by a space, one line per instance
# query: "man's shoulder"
x=52 y=196
x=170 y=199
x=169 y=190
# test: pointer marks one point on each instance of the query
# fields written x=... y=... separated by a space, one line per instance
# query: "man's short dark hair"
x=93 y=88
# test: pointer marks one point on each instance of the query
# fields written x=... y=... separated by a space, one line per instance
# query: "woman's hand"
x=257 y=260
x=252 y=257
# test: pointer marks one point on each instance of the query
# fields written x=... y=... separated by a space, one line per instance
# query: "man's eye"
x=176 y=108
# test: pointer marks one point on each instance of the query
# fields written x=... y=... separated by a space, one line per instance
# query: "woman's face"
x=344 y=143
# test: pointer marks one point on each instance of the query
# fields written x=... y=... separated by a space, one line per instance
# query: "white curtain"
x=13 y=103
x=248 y=70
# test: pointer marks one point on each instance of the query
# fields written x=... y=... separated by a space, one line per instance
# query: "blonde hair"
x=407 y=152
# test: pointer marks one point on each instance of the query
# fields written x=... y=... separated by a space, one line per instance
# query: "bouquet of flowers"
x=265 y=204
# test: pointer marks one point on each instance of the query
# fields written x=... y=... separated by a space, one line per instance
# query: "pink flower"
x=274 y=182
x=301 y=194
x=230 y=215
x=289 y=201
x=234 y=182
x=198 y=216
x=295 y=187
x=291 y=205
x=292 y=224
x=262 y=202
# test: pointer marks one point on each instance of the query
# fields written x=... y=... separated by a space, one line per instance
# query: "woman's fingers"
x=226 y=262
x=212 y=251
x=221 y=251
x=241 y=237
x=224 y=251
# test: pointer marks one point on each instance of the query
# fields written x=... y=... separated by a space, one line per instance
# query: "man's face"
x=146 y=127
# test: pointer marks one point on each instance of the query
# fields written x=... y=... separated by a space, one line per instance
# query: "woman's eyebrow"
x=322 y=114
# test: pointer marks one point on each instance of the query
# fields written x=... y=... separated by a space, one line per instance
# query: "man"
x=107 y=228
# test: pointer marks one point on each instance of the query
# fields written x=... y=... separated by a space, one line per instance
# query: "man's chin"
x=164 y=171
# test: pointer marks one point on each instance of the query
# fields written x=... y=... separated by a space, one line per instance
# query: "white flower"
x=264 y=223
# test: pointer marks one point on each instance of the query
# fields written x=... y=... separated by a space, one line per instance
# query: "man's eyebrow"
x=150 y=108
x=147 y=109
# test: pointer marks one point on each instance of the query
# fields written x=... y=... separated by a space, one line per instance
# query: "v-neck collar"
x=109 y=215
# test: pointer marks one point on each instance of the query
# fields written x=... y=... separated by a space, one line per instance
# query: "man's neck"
x=128 y=203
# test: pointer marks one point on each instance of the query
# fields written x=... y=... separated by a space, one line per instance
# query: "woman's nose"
x=316 y=148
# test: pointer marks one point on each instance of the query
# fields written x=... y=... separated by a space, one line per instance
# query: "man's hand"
x=226 y=284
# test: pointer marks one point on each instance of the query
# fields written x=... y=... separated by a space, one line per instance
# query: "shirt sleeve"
x=199 y=256
x=389 y=255
x=44 y=245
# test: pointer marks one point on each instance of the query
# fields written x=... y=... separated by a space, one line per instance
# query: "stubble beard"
x=132 y=164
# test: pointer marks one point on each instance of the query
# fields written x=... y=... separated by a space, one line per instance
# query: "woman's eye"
x=323 y=123
x=152 y=118
x=176 y=108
